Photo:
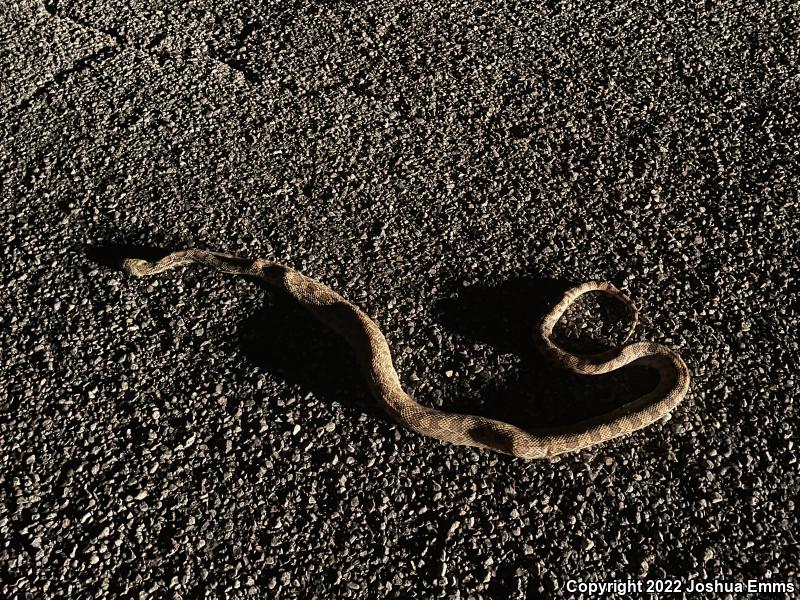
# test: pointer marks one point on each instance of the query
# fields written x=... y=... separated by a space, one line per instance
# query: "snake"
x=375 y=357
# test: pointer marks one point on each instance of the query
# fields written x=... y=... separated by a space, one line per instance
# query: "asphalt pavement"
x=449 y=167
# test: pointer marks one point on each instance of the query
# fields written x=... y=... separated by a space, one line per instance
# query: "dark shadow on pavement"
x=281 y=338
x=286 y=341
x=533 y=394
x=112 y=255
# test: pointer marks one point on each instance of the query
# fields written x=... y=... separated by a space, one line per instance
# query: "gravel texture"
x=448 y=167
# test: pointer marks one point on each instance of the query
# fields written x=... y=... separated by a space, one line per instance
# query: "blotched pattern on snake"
x=373 y=352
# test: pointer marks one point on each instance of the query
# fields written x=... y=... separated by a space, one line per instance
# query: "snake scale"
x=373 y=352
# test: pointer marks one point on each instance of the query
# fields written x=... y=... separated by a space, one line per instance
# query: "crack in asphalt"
x=123 y=42
x=61 y=75
x=51 y=6
x=148 y=49
x=234 y=63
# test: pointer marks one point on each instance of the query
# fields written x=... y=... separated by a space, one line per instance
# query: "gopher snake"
x=373 y=352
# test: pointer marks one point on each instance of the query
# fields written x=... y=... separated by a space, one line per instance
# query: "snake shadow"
x=111 y=255
x=527 y=390
x=491 y=323
x=281 y=338
x=286 y=341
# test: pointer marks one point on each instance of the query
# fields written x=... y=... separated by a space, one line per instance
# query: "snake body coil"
x=373 y=352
